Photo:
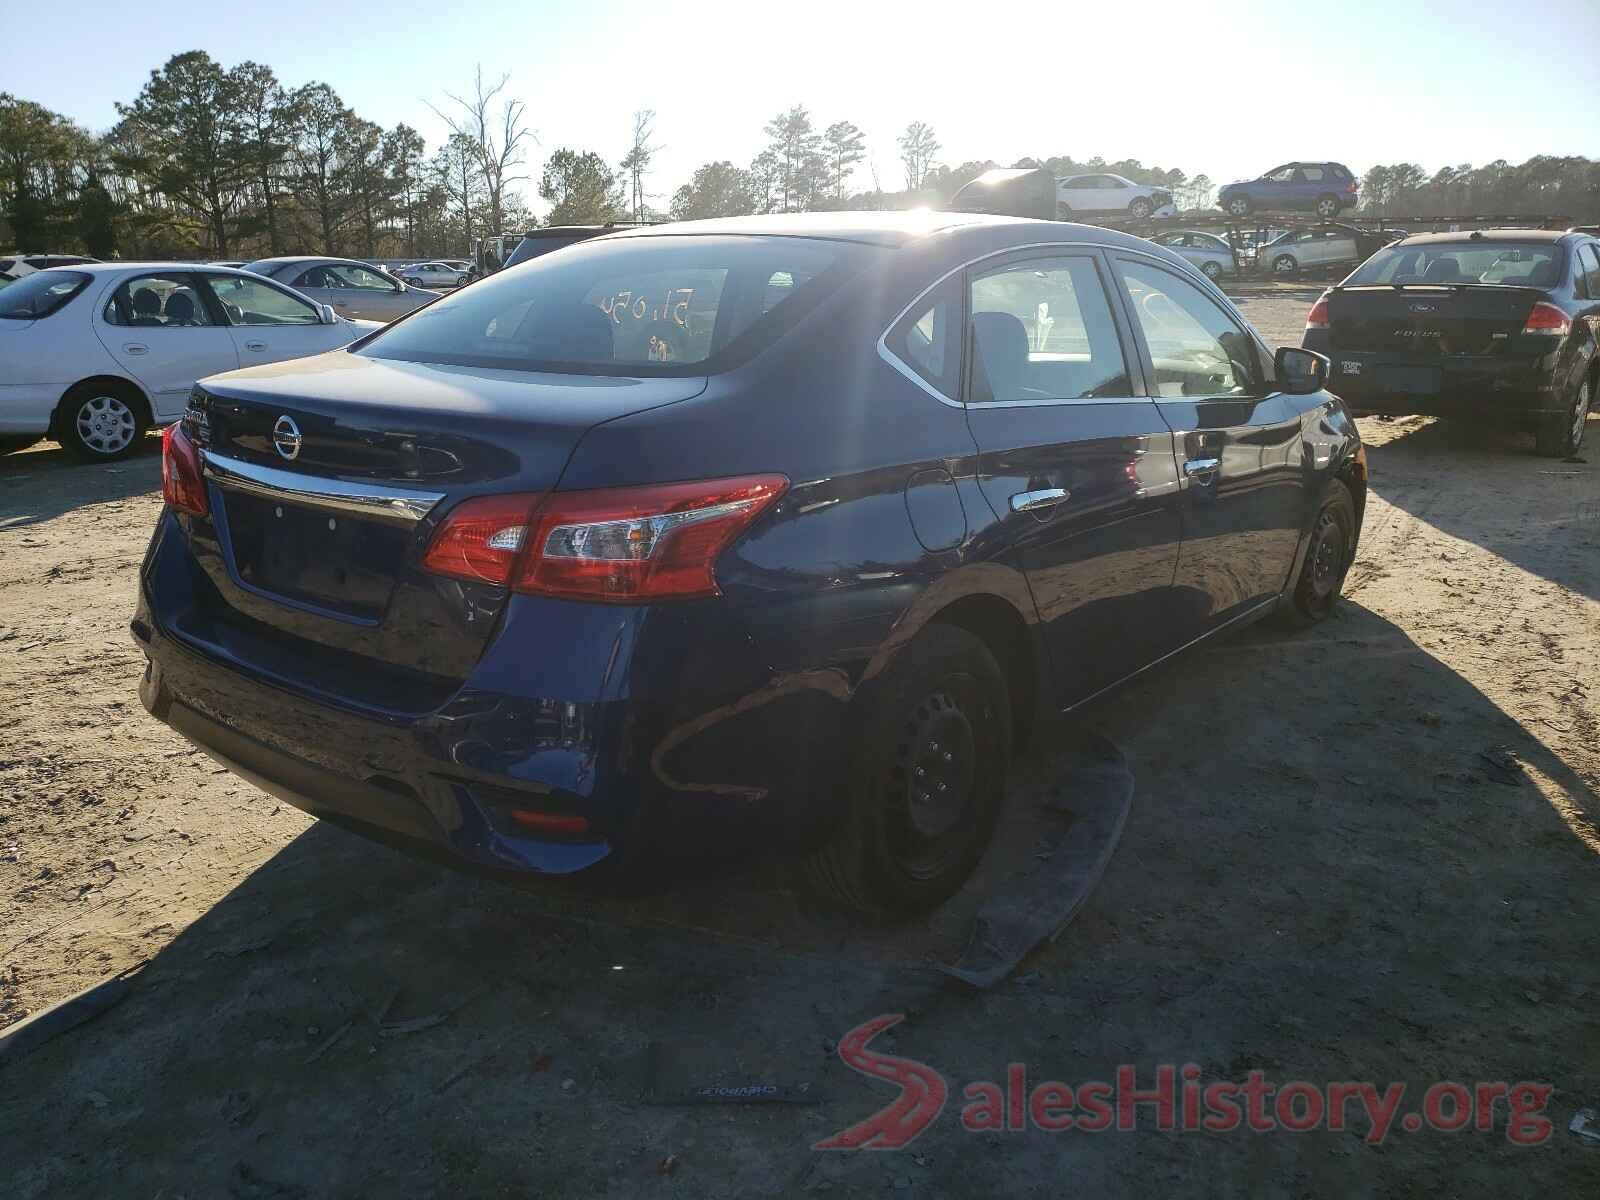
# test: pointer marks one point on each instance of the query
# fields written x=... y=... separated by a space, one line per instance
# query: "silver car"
x=1309 y=250
x=1207 y=251
x=434 y=275
x=355 y=289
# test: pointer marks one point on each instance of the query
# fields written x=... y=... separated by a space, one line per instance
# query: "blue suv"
x=1325 y=188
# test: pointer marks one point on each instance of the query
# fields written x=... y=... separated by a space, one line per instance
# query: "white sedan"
x=96 y=354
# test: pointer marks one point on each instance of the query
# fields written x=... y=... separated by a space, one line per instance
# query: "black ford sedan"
x=1493 y=325
x=729 y=535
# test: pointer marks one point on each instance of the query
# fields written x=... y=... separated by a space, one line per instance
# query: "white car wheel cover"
x=105 y=424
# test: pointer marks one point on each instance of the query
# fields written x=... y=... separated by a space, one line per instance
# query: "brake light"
x=1317 y=318
x=1351 y=188
x=621 y=545
x=181 y=484
x=1547 y=320
x=481 y=538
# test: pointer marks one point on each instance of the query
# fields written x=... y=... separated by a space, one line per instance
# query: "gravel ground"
x=1381 y=867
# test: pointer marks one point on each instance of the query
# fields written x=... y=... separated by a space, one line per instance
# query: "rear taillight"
x=1547 y=320
x=1351 y=188
x=1317 y=318
x=181 y=484
x=623 y=545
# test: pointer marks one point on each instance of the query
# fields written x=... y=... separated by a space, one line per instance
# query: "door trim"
x=1227 y=625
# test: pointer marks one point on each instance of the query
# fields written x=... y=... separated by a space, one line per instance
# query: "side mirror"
x=1300 y=372
x=326 y=315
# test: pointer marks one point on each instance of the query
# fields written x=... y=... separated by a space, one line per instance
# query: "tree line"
x=230 y=162
x=1545 y=185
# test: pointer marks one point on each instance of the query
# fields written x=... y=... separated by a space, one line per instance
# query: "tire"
x=1328 y=556
x=10 y=445
x=1285 y=264
x=1140 y=209
x=1327 y=207
x=1063 y=211
x=1561 y=437
x=1211 y=270
x=941 y=714
x=1239 y=206
x=101 y=422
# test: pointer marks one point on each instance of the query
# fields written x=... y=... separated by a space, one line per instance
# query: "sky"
x=1229 y=88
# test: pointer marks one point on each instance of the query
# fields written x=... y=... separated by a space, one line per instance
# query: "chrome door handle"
x=1202 y=470
x=255 y=345
x=135 y=347
x=1040 y=499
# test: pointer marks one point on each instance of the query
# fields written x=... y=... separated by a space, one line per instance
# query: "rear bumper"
x=1505 y=391
x=665 y=732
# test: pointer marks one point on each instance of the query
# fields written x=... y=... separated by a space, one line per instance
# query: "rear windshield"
x=534 y=247
x=660 y=305
x=1524 y=264
x=40 y=294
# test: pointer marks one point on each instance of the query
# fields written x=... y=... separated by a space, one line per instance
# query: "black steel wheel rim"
x=933 y=784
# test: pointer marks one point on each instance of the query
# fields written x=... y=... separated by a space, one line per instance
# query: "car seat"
x=1444 y=269
x=1002 y=359
x=146 y=307
x=180 y=309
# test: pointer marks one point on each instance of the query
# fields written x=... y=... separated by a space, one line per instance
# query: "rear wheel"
x=1239 y=206
x=1561 y=436
x=1139 y=209
x=1285 y=265
x=1328 y=557
x=929 y=763
x=1327 y=207
x=100 y=422
x=1211 y=270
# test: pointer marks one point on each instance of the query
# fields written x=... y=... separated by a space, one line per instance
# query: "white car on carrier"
x=96 y=354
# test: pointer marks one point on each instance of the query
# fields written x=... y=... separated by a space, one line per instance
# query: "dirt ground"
x=1363 y=852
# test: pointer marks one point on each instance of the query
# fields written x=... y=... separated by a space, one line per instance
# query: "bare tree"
x=918 y=147
x=497 y=138
x=637 y=160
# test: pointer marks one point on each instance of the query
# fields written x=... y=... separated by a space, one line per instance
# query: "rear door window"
x=1042 y=329
x=1196 y=348
x=928 y=339
x=165 y=300
x=1589 y=257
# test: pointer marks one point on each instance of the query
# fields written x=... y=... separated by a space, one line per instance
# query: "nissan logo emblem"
x=286 y=437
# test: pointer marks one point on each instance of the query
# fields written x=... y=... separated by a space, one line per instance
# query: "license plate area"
x=328 y=560
x=1409 y=381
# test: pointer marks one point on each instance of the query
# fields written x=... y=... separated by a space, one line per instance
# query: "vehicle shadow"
x=1315 y=882
x=1488 y=487
x=47 y=481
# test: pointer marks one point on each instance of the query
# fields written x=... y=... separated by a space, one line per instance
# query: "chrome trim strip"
x=374 y=500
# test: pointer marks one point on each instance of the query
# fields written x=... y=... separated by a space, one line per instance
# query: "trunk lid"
x=1429 y=321
x=327 y=477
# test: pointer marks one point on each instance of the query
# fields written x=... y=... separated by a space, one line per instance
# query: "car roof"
x=1468 y=236
x=110 y=268
x=877 y=228
x=285 y=260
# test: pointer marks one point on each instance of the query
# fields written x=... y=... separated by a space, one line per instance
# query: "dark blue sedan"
x=731 y=535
